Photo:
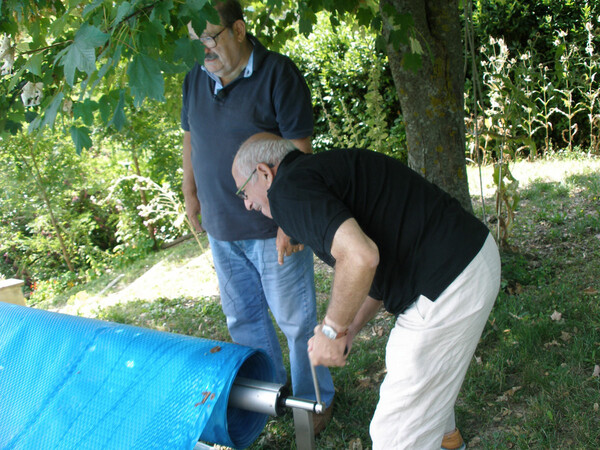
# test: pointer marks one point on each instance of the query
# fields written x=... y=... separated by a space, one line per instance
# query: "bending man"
x=395 y=241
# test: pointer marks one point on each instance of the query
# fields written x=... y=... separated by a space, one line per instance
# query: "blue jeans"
x=251 y=282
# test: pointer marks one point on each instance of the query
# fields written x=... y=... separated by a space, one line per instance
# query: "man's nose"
x=248 y=204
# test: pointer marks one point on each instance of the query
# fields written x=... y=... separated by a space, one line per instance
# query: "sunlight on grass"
x=526 y=172
x=182 y=272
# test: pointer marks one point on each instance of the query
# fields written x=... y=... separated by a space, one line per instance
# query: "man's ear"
x=239 y=30
x=266 y=173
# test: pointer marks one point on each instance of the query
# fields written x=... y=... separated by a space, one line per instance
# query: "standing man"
x=242 y=89
x=396 y=241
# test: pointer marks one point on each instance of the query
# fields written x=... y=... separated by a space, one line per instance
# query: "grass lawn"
x=535 y=379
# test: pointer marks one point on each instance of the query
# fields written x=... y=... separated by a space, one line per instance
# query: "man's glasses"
x=210 y=41
x=240 y=192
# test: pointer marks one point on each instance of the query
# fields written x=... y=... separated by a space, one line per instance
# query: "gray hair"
x=262 y=148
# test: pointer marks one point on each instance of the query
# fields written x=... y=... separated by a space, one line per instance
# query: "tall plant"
x=589 y=89
x=545 y=105
x=566 y=55
x=501 y=125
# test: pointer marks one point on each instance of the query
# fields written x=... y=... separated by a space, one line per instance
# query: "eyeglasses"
x=240 y=192
x=210 y=41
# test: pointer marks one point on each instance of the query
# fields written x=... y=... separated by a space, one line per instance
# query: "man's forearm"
x=188 y=184
x=367 y=311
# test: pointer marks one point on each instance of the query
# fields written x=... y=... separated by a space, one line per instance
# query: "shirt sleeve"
x=292 y=101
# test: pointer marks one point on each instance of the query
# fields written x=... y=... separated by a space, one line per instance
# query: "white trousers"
x=427 y=356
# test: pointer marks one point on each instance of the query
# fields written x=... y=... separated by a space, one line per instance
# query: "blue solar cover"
x=69 y=382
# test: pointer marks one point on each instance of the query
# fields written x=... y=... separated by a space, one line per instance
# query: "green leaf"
x=195 y=5
x=57 y=26
x=122 y=11
x=405 y=21
x=81 y=53
x=398 y=37
x=210 y=14
x=161 y=11
x=307 y=19
x=90 y=36
x=91 y=7
x=118 y=119
x=105 y=108
x=30 y=116
x=199 y=12
x=99 y=75
x=145 y=79
x=171 y=69
x=34 y=124
x=16 y=78
x=34 y=64
x=52 y=110
x=388 y=10
x=13 y=127
x=85 y=110
x=189 y=51
x=198 y=24
x=364 y=16
x=412 y=61
x=81 y=138
x=150 y=36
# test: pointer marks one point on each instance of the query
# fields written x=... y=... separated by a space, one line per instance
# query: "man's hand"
x=285 y=247
x=192 y=210
x=323 y=351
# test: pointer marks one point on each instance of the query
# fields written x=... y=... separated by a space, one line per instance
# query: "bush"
x=354 y=98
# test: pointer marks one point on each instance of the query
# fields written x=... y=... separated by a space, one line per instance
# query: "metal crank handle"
x=313 y=371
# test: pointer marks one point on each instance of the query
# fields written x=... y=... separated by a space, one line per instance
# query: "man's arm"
x=188 y=185
x=284 y=247
x=357 y=258
x=367 y=311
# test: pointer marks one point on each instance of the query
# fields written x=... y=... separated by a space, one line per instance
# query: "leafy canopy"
x=93 y=59
x=84 y=60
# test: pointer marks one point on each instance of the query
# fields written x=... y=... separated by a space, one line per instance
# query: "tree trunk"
x=431 y=98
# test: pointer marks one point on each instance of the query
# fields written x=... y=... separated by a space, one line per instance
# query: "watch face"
x=329 y=332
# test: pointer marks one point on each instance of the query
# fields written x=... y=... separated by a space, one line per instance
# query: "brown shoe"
x=320 y=421
x=453 y=441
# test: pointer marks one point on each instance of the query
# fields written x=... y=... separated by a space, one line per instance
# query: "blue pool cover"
x=69 y=382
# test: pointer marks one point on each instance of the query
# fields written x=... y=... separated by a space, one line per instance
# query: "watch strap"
x=338 y=335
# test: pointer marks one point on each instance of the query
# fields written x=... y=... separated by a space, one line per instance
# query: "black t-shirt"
x=425 y=238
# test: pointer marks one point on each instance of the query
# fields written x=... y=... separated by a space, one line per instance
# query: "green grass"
x=531 y=384
x=534 y=386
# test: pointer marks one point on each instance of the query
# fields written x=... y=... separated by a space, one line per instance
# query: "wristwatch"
x=330 y=332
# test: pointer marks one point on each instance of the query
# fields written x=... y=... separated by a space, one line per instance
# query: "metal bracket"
x=305 y=431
